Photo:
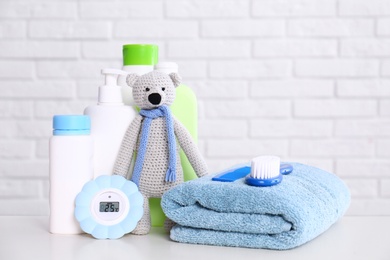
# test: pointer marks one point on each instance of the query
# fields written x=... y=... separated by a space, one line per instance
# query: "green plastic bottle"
x=139 y=59
x=185 y=109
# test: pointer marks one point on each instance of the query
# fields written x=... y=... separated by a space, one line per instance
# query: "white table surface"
x=28 y=238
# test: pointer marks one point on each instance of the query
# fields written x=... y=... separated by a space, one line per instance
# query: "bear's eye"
x=147 y=89
x=163 y=89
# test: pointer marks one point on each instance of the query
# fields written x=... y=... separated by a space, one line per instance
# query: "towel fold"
x=304 y=205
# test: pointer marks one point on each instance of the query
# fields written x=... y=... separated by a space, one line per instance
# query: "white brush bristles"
x=265 y=167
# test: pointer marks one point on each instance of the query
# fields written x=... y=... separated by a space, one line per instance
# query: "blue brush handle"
x=233 y=174
x=264 y=182
x=241 y=171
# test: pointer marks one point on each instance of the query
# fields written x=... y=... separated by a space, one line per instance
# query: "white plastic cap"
x=110 y=93
x=167 y=67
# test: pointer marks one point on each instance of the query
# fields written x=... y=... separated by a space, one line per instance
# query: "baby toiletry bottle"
x=110 y=119
x=71 y=155
x=185 y=109
x=139 y=59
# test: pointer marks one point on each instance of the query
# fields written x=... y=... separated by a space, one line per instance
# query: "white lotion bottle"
x=138 y=59
x=110 y=119
x=71 y=161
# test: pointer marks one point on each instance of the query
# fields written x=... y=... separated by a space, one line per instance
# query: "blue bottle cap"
x=71 y=125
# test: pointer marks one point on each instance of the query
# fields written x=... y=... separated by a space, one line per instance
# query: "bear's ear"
x=131 y=79
x=176 y=79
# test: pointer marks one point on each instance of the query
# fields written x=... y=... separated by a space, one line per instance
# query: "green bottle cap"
x=140 y=54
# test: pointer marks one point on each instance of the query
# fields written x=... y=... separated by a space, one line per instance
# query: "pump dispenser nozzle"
x=110 y=93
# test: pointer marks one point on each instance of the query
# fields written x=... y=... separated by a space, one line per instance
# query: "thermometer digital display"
x=109 y=206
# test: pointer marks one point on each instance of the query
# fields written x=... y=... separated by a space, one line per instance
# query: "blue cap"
x=71 y=125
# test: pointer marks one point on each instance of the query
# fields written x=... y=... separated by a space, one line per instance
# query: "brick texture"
x=294 y=8
x=307 y=80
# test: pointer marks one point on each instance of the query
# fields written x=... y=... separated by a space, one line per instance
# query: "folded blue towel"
x=305 y=204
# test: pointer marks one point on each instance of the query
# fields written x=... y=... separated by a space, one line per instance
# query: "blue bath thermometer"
x=109 y=207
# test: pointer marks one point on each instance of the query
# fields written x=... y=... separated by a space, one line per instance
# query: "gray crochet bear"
x=156 y=136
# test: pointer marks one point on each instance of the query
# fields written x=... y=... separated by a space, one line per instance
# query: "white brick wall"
x=308 y=80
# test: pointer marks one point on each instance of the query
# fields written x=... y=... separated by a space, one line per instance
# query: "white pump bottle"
x=110 y=119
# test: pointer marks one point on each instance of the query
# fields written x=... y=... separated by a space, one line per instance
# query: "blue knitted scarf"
x=149 y=115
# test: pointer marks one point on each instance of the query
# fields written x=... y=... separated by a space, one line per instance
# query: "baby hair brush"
x=264 y=171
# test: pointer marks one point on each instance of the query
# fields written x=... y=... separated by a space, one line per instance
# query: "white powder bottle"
x=71 y=166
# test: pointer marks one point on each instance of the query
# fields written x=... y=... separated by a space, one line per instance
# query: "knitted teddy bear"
x=156 y=137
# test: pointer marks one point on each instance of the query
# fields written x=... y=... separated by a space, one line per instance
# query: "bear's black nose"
x=154 y=98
